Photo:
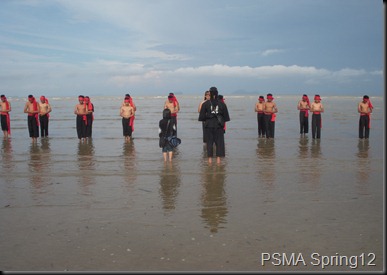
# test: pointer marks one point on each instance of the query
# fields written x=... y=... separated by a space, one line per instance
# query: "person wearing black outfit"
x=215 y=114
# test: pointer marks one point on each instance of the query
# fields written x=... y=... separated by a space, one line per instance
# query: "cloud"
x=309 y=74
x=271 y=51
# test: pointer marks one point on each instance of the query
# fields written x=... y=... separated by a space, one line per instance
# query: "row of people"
x=39 y=112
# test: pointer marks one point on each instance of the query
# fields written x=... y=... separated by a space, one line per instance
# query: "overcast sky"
x=114 y=47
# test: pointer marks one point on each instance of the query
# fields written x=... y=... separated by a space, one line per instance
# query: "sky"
x=154 y=47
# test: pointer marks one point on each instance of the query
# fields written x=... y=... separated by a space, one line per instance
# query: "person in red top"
x=131 y=103
x=365 y=109
x=5 y=119
x=173 y=105
x=89 y=116
x=304 y=106
x=32 y=108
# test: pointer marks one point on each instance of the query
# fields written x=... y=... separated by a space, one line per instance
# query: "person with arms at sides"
x=5 y=118
x=206 y=97
x=80 y=111
x=260 y=116
x=44 y=116
x=126 y=112
x=215 y=114
x=32 y=108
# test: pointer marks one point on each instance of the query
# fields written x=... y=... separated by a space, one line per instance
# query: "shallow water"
x=108 y=205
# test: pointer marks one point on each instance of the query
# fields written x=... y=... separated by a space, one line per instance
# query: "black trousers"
x=81 y=127
x=304 y=123
x=33 y=127
x=174 y=120
x=43 y=125
x=4 y=125
x=269 y=126
x=215 y=135
x=261 y=124
x=364 y=130
x=204 y=132
x=126 y=128
x=316 y=126
x=89 y=126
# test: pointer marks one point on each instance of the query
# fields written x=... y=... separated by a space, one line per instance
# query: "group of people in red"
x=266 y=114
x=212 y=111
x=38 y=116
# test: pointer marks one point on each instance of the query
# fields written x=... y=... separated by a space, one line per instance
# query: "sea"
x=291 y=203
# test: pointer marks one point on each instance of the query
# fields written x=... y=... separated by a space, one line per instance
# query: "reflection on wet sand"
x=6 y=158
x=266 y=161
x=309 y=165
x=214 y=205
x=35 y=166
x=129 y=153
x=316 y=162
x=363 y=163
x=86 y=164
x=169 y=185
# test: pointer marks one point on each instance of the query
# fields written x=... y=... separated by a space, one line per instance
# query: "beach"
x=282 y=204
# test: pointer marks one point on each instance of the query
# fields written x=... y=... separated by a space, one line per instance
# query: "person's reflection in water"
x=363 y=163
x=303 y=148
x=304 y=163
x=35 y=166
x=214 y=204
x=129 y=154
x=315 y=164
x=6 y=158
x=86 y=163
x=266 y=161
x=169 y=185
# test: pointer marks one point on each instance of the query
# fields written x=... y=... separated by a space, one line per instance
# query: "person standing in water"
x=131 y=103
x=166 y=129
x=5 y=118
x=32 y=108
x=365 y=108
x=260 y=116
x=44 y=116
x=303 y=106
x=270 y=110
x=173 y=105
x=215 y=114
x=316 y=108
x=206 y=97
x=89 y=116
x=80 y=111
x=126 y=112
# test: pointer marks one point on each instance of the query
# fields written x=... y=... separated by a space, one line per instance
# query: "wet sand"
x=111 y=206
